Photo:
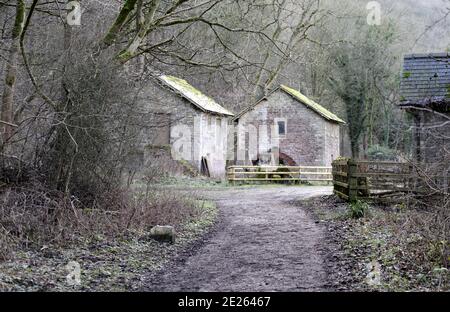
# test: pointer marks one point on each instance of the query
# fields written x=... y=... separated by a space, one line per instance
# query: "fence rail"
x=368 y=179
x=294 y=174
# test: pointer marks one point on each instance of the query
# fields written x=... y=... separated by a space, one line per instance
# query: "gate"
x=293 y=174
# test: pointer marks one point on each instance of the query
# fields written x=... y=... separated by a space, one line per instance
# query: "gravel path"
x=261 y=243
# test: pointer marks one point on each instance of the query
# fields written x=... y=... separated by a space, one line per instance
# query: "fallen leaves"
x=401 y=255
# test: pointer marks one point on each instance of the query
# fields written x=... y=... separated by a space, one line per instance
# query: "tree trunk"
x=355 y=150
x=111 y=37
x=7 y=111
x=134 y=45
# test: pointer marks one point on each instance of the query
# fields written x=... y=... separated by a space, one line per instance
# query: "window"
x=281 y=127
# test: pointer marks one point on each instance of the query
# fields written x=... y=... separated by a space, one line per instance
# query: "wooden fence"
x=279 y=174
x=354 y=180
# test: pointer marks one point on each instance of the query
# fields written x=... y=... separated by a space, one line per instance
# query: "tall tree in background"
x=292 y=22
x=362 y=69
x=7 y=108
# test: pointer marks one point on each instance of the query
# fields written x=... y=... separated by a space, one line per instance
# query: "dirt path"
x=261 y=243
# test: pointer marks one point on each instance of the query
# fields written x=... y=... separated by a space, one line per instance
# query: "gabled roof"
x=311 y=104
x=203 y=102
x=426 y=80
x=297 y=95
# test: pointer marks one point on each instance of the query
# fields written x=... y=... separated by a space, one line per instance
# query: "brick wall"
x=207 y=132
x=310 y=139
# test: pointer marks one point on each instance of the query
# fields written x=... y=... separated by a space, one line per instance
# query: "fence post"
x=333 y=178
x=352 y=169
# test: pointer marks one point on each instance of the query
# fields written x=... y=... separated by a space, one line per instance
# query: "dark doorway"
x=204 y=168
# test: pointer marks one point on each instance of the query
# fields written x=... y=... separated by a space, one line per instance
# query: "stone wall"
x=310 y=139
x=211 y=142
x=190 y=132
x=332 y=142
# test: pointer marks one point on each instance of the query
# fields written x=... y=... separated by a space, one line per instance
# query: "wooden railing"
x=354 y=180
x=279 y=174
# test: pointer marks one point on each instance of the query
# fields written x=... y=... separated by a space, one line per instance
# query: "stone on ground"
x=163 y=233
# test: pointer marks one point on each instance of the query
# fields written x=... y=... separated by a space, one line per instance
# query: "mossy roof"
x=193 y=95
x=297 y=95
x=311 y=104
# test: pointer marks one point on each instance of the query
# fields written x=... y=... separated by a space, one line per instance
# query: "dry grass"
x=433 y=226
x=413 y=249
x=32 y=216
x=410 y=243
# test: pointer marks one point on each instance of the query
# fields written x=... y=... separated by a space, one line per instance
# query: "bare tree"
x=7 y=108
x=293 y=21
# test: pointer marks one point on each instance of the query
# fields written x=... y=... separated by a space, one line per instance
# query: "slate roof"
x=297 y=95
x=426 y=80
x=203 y=102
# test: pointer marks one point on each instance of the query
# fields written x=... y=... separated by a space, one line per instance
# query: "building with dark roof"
x=425 y=94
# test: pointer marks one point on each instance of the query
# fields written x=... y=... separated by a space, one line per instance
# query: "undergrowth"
x=33 y=216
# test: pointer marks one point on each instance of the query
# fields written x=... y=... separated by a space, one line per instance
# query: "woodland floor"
x=301 y=238
x=106 y=264
x=254 y=238
x=262 y=242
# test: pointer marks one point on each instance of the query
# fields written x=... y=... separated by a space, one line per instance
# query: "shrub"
x=382 y=153
x=32 y=216
x=358 y=209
